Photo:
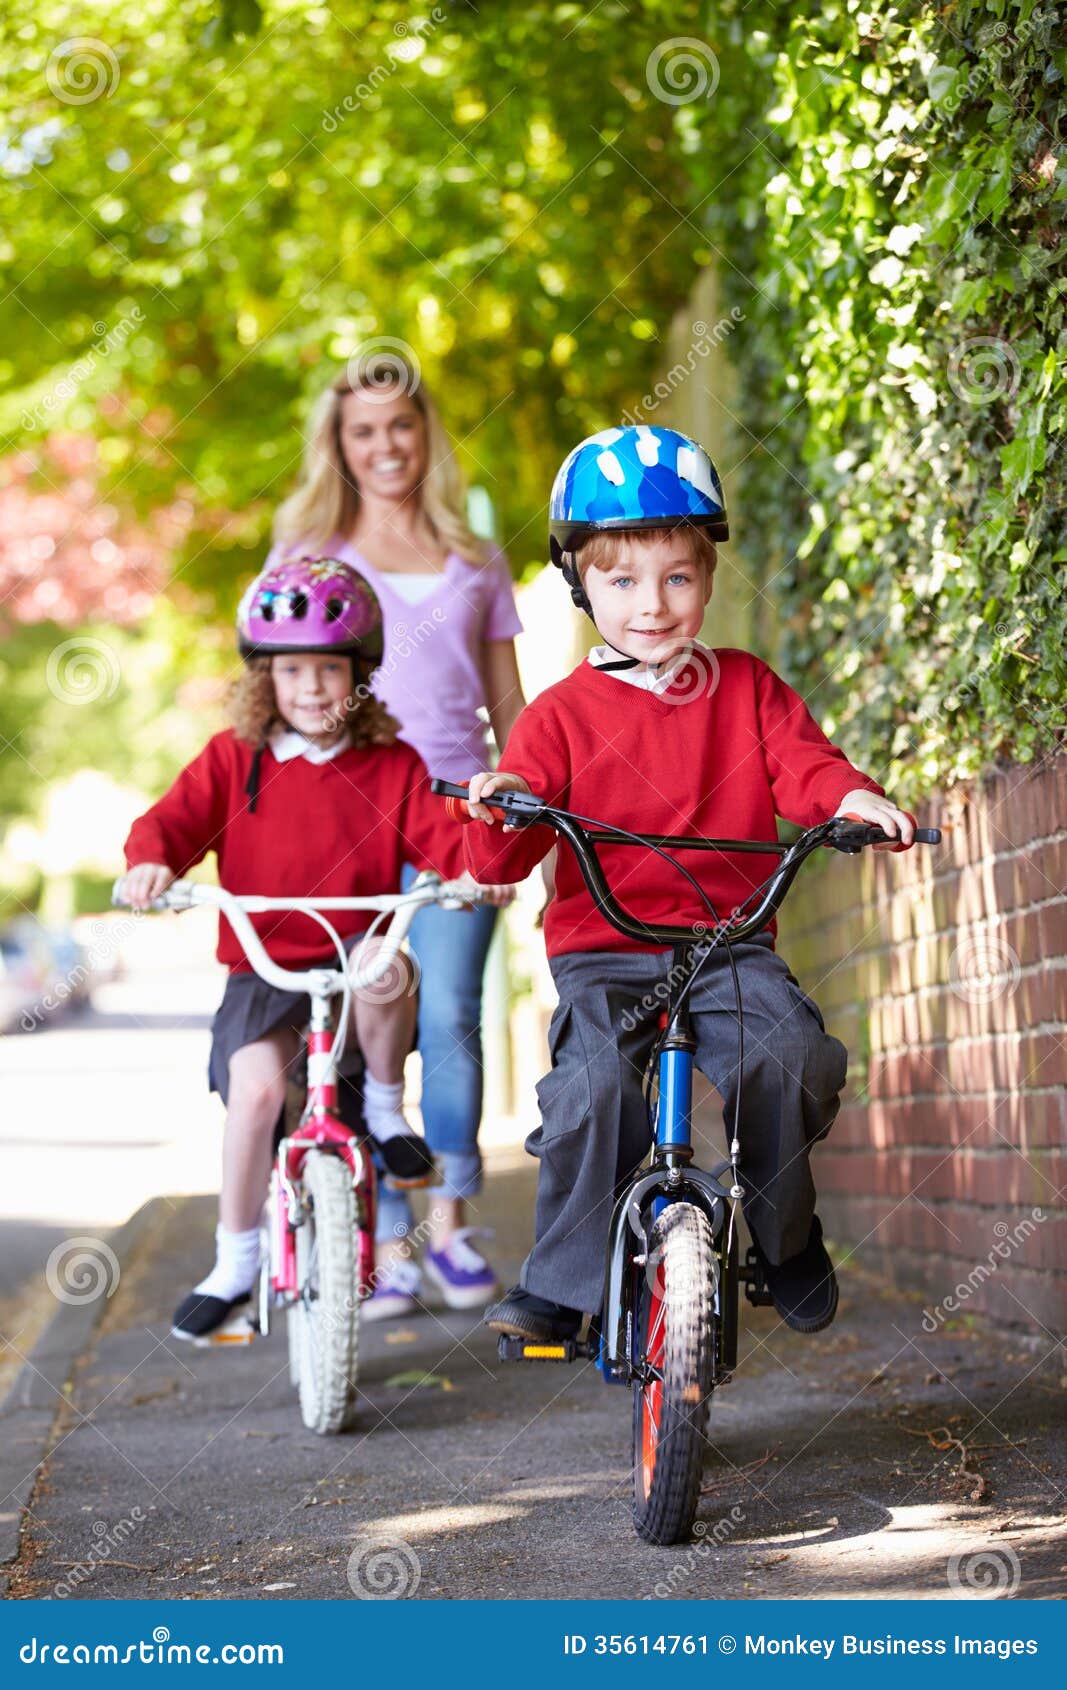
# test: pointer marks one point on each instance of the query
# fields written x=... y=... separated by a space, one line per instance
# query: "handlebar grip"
x=521 y=808
x=455 y=798
x=927 y=836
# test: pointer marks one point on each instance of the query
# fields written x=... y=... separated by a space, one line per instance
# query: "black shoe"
x=524 y=1315
x=199 y=1315
x=407 y=1160
x=804 y=1287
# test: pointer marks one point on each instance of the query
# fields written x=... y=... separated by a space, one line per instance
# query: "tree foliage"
x=208 y=208
x=891 y=206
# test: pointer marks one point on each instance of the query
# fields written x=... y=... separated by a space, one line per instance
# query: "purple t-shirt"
x=431 y=675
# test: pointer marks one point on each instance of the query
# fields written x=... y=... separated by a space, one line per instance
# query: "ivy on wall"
x=885 y=186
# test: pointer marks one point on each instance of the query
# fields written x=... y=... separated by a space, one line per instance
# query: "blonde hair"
x=601 y=551
x=253 y=708
x=326 y=502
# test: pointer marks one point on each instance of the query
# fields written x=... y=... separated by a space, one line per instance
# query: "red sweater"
x=719 y=754
x=339 y=829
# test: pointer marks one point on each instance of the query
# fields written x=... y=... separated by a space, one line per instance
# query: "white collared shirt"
x=640 y=675
x=286 y=743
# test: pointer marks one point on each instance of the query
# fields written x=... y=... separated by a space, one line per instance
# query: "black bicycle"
x=669 y=1321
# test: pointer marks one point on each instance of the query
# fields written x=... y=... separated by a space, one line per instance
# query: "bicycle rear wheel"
x=676 y=1315
x=324 y=1322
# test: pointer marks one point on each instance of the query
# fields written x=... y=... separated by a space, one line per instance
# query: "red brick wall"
x=944 y=970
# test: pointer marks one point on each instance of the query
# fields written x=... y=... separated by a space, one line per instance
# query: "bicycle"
x=668 y=1325
x=318 y=1257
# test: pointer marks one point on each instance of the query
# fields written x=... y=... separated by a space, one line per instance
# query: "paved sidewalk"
x=179 y=1472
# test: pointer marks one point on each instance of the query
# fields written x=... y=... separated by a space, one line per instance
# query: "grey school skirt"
x=250 y=1009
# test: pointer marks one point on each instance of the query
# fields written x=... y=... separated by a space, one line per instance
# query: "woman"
x=381 y=489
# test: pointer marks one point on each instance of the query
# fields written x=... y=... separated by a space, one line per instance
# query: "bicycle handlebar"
x=425 y=889
x=524 y=809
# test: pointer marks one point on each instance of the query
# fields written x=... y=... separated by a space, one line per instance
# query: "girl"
x=381 y=490
x=310 y=791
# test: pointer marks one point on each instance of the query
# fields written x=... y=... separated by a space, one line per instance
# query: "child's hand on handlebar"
x=866 y=806
x=488 y=782
x=498 y=896
x=143 y=884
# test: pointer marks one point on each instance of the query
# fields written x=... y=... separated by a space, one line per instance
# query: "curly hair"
x=254 y=713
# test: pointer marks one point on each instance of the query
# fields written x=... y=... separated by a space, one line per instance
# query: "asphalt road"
x=831 y=1470
x=183 y=1472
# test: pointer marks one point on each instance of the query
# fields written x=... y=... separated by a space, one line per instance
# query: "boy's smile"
x=649 y=604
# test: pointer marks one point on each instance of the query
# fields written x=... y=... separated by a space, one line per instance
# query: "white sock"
x=383 y=1108
x=236 y=1264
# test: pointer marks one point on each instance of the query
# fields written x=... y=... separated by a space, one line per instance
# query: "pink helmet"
x=310 y=604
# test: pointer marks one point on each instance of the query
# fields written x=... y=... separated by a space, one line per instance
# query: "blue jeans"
x=450 y=948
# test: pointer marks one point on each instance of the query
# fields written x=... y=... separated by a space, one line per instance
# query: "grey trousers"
x=594 y=1131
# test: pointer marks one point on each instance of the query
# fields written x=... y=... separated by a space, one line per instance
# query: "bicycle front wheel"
x=676 y=1314
x=324 y=1322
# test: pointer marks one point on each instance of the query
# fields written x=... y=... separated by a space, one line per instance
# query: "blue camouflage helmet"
x=631 y=478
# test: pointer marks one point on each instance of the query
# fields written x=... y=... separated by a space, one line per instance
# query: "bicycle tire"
x=326 y=1316
x=676 y=1315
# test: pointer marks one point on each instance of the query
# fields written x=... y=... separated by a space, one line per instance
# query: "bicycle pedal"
x=239 y=1329
x=756 y=1288
x=511 y=1348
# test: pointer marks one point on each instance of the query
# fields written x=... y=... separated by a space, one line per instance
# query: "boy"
x=656 y=733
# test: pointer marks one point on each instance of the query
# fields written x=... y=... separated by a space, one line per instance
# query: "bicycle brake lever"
x=522 y=809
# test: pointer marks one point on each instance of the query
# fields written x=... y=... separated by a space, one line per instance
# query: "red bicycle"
x=318 y=1256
